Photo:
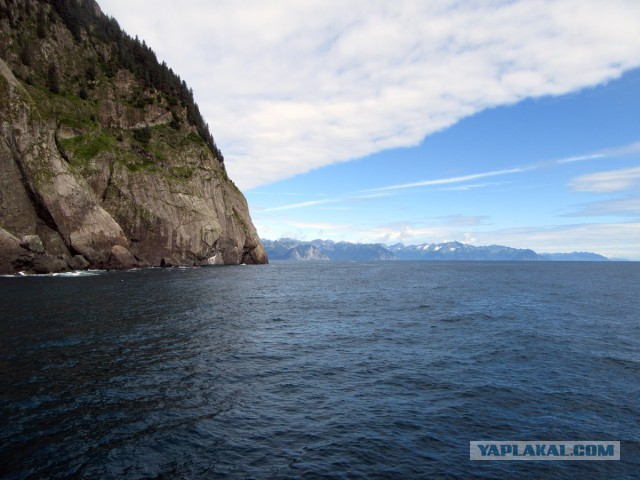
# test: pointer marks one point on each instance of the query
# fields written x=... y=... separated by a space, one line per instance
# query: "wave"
x=75 y=273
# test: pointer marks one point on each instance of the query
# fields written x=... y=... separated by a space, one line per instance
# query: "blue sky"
x=508 y=122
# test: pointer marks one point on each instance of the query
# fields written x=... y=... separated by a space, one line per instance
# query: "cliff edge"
x=105 y=160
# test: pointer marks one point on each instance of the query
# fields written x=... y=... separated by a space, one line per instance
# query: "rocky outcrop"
x=90 y=180
x=29 y=255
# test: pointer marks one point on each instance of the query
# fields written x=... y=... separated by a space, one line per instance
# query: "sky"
x=487 y=122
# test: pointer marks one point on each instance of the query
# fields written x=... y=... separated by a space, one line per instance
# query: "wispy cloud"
x=582 y=158
x=288 y=87
x=402 y=232
x=631 y=149
x=324 y=201
x=318 y=225
x=370 y=196
x=610 y=181
x=616 y=240
x=310 y=203
x=619 y=207
x=433 y=230
x=449 y=180
x=474 y=186
x=460 y=220
x=592 y=237
x=275 y=194
x=608 y=153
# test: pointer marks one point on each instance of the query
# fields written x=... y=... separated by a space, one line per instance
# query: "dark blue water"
x=334 y=370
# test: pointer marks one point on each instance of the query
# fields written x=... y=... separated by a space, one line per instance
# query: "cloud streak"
x=619 y=179
x=450 y=180
x=618 y=207
x=594 y=237
x=631 y=149
x=606 y=182
x=311 y=203
x=324 y=201
x=288 y=87
x=599 y=182
x=602 y=238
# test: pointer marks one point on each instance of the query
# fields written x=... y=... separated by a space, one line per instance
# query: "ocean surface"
x=318 y=370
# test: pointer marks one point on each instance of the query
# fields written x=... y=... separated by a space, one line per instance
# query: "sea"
x=319 y=370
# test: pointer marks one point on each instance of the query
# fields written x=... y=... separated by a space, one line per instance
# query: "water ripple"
x=317 y=371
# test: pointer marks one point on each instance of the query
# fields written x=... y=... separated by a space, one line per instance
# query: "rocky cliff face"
x=105 y=162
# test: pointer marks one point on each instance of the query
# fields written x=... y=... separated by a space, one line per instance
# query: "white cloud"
x=310 y=203
x=610 y=181
x=469 y=239
x=474 y=185
x=613 y=240
x=405 y=232
x=445 y=181
x=463 y=220
x=435 y=230
x=318 y=225
x=278 y=194
x=625 y=150
x=620 y=207
x=600 y=182
x=289 y=86
x=582 y=158
x=608 y=153
x=324 y=201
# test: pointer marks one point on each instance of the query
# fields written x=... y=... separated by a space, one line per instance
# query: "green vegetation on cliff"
x=107 y=50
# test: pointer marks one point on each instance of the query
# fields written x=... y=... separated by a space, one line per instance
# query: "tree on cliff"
x=133 y=55
x=53 y=79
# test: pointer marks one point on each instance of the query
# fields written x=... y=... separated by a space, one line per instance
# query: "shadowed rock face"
x=81 y=188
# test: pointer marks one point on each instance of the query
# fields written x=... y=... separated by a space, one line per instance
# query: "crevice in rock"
x=41 y=211
x=58 y=147
x=108 y=186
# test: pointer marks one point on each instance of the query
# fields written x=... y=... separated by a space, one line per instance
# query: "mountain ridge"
x=288 y=249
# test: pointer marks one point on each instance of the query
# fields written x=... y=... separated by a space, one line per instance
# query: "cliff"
x=105 y=159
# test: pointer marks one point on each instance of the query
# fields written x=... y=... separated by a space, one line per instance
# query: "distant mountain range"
x=289 y=249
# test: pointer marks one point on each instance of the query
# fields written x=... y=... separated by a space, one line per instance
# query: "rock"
x=47 y=264
x=215 y=260
x=121 y=258
x=14 y=257
x=166 y=263
x=32 y=243
x=53 y=242
x=78 y=262
x=11 y=254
